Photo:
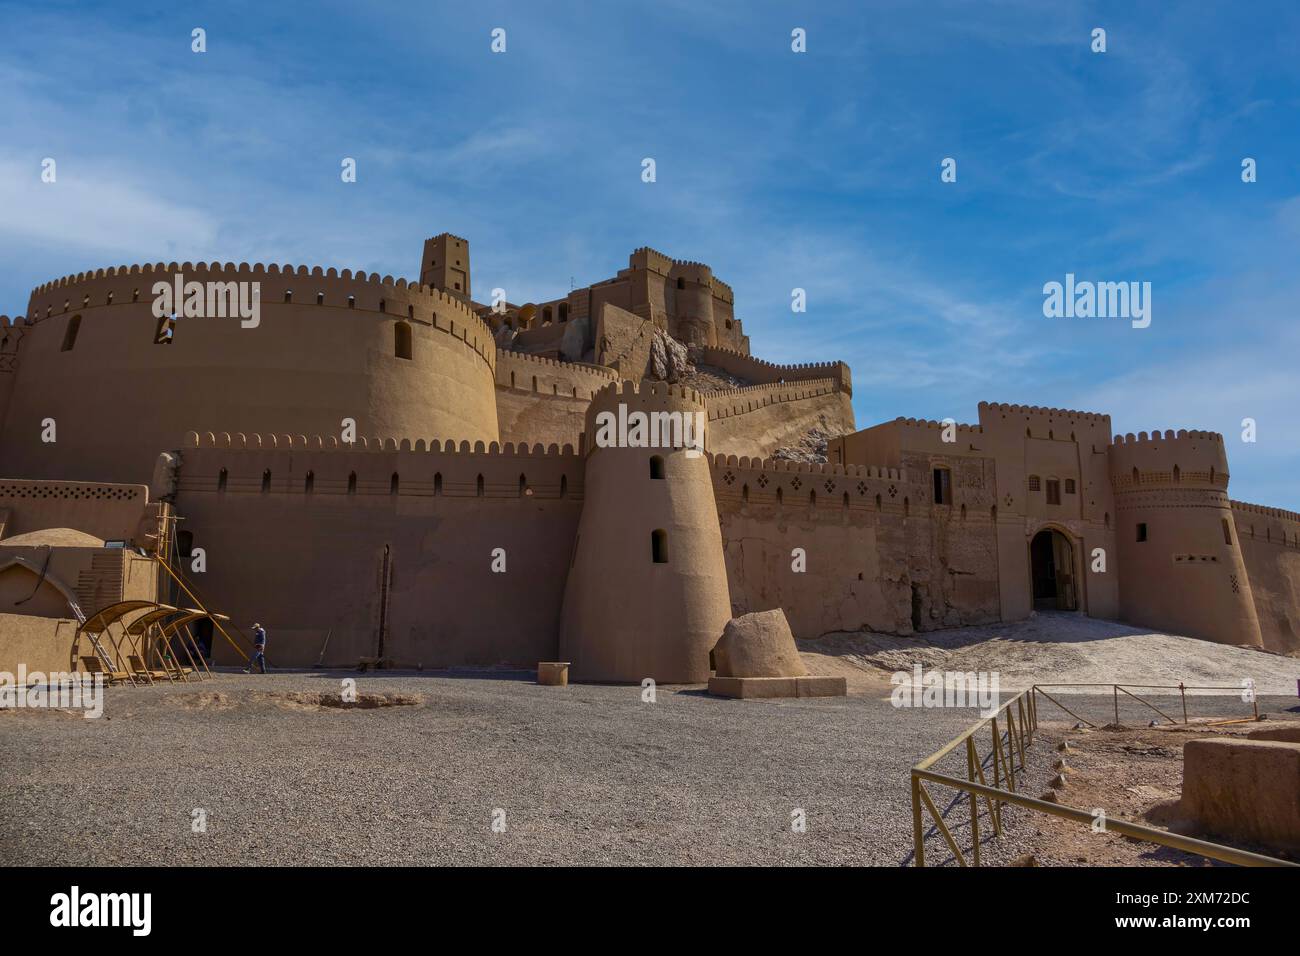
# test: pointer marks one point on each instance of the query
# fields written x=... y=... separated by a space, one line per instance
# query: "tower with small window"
x=445 y=265
x=647 y=591
x=1180 y=563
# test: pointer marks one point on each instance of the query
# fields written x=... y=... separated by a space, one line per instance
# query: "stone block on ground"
x=553 y=673
x=1244 y=790
x=1290 y=733
x=758 y=645
x=751 y=688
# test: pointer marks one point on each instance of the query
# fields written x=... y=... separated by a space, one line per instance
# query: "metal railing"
x=1118 y=689
x=1012 y=728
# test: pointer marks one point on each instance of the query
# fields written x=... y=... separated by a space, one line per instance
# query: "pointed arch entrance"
x=1052 y=571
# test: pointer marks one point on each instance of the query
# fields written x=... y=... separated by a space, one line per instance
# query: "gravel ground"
x=585 y=774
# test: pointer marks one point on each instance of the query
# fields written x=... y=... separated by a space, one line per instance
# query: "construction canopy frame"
x=160 y=631
x=100 y=625
x=151 y=632
x=216 y=619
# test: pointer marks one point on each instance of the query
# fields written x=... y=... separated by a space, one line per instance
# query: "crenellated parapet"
x=930 y=424
x=766 y=373
x=1006 y=423
x=1168 y=459
x=548 y=376
x=729 y=403
x=253 y=464
x=645 y=395
x=330 y=288
x=1038 y=411
x=651 y=260
x=1270 y=525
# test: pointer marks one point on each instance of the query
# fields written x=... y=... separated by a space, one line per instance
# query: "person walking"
x=259 y=649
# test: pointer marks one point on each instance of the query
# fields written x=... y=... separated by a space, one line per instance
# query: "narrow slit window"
x=70 y=334
x=402 y=340
x=1053 y=491
x=659 y=546
x=942 y=486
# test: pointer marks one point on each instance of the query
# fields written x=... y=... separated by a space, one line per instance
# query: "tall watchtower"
x=445 y=265
x=647 y=591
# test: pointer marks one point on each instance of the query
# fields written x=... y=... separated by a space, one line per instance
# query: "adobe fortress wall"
x=325 y=350
x=296 y=536
x=760 y=372
x=11 y=336
x=879 y=553
x=106 y=511
x=1270 y=546
x=544 y=400
x=756 y=420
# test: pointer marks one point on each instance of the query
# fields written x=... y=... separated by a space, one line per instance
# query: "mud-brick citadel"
x=471 y=520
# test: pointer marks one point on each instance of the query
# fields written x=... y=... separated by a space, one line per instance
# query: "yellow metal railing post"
x=943 y=827
x=997 y=756
x=974 y=800
x=918 y=834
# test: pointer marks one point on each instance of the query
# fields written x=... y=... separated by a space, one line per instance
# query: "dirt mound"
x=1061 y=648
x=295 y=700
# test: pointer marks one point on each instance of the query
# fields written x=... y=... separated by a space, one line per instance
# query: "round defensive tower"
x=1180 y=561
x=693 y=303
x=122 y=385
x=647 y=592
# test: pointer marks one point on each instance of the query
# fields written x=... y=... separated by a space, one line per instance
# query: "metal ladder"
x=109 y=666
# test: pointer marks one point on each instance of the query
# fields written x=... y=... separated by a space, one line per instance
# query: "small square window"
x=1033 y=483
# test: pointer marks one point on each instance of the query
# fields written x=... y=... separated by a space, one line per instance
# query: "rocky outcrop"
x=668 y=358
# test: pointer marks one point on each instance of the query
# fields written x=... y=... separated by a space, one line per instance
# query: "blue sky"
x=781 y=170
